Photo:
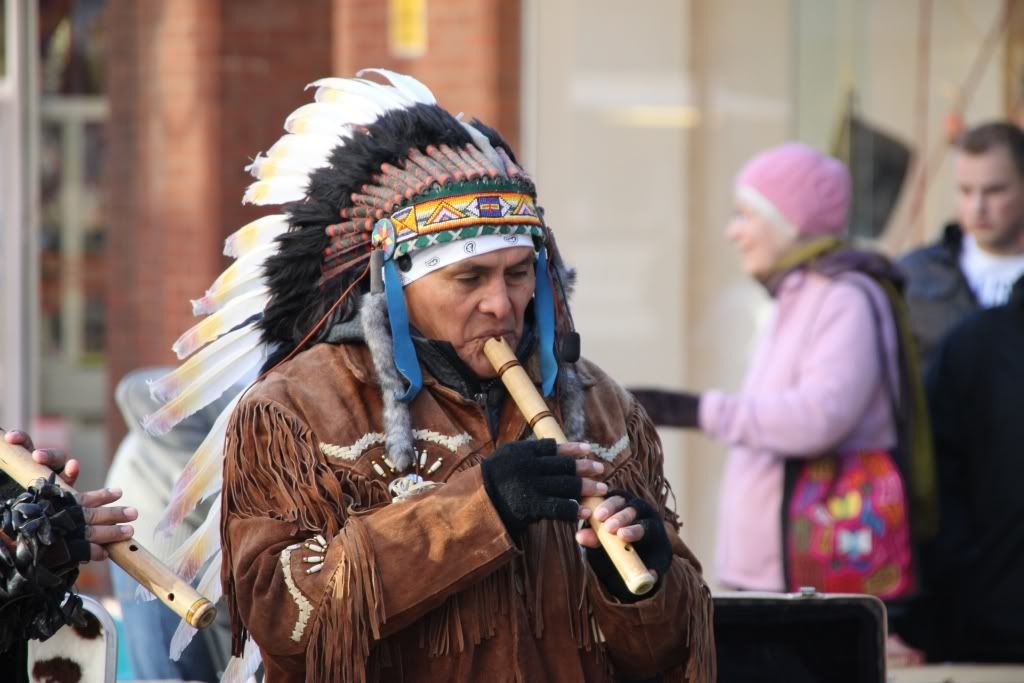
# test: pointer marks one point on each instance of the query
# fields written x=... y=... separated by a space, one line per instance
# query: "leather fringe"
x=352 y=615
x=645 y=477
x=284 y=478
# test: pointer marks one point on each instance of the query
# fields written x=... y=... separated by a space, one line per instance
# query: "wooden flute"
x=531 y=404
x=129 y=555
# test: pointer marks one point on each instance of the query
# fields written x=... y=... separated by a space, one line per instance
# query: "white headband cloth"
x=434 y=258
x=759 y=203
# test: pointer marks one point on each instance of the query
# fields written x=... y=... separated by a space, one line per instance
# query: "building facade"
x=125 y=126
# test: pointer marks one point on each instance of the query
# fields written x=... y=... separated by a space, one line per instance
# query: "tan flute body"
x=138 y=562
x=531 y=404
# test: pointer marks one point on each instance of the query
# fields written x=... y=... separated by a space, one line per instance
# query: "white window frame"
x=18 y=178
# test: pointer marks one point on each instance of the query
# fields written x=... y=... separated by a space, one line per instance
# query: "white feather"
x=256 y=234
x=323 y=118
x=162 y=545
x=228 y=346
x=206 y=389
x=197 y=550
x=484 y=145
x=143 y=594
x=210 y=585
x=407 y=85
x=265 y=168
x=309 y=147
x=244 y=267
x=240 y=669
x=210 y=588
x=201 y=477
x=214 y=300
x=280 y=190
x=233 y=314
x=346 y=89
x=183 y=635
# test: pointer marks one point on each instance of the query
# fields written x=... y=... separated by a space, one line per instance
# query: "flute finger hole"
x=170 y=596
x=133 y=547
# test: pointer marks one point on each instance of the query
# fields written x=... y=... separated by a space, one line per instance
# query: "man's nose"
x=496 y=300
x=978 y=204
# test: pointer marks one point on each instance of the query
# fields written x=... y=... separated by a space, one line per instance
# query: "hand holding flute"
x=25 y=468
x=103 y=524
x=618 y=513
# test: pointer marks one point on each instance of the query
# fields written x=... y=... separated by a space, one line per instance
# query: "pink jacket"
x=816 y=384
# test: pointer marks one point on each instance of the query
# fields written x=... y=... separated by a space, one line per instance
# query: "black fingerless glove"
x=528 y=481
x=670 y=408
x=654 y=549
x=43 y=542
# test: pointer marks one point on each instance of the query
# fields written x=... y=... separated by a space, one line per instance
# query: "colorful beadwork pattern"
x=446 y=217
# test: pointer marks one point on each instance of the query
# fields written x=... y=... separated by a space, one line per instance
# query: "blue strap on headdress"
x=544 y=312
x=405 y=353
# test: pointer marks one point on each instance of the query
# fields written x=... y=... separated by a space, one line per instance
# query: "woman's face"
x=760 y=242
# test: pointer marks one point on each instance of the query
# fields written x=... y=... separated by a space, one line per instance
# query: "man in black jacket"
x=974 y=568
x=977 y=259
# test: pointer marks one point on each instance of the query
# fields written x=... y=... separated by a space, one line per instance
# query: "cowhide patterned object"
x=77 y=655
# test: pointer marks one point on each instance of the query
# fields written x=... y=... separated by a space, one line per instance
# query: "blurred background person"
x=978 y=257
x=974 y=568
x=147 y=467
x=828 y=378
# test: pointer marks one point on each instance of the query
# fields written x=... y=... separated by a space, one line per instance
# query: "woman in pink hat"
x=829 y=425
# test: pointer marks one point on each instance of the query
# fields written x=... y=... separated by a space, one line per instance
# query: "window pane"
x=72 y=46
x=94 y=234
x=51 y=162
x=3 y=39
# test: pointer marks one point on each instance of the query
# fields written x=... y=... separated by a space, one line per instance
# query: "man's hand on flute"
x=635 y=521
x=533 y=480
x=102 y=524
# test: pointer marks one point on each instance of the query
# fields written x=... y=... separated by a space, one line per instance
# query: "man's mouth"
x=491 y=335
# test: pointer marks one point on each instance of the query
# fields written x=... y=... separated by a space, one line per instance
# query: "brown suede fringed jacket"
x=431 y=587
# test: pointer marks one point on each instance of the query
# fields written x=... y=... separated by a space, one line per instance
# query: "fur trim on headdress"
x=570 y=397
x=398 y=437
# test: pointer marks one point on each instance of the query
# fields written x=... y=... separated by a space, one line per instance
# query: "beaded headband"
x=433 y=196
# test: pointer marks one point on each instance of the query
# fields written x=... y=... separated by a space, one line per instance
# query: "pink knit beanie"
x=797 y=187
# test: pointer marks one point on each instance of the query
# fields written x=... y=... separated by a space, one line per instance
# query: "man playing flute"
x=385 y=514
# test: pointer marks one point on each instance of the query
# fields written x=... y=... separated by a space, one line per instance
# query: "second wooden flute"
x=637 y=577
x=129 y=555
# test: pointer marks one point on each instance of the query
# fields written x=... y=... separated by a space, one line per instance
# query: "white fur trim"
x=452 y=443
x=609 y=453
x=352 y=452
x=366 y=441
x=759 y=203
x=304 y=605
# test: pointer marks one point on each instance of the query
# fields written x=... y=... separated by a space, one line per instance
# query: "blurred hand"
x=54 y=458
x=105 y=524
x=102 y=524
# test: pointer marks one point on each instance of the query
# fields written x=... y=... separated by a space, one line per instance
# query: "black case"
x=804 y=637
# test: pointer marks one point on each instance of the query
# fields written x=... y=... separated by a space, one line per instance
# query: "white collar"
x=991 y=276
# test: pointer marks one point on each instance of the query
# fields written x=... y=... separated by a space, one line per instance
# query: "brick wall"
x=472 y=63
x=197 y=87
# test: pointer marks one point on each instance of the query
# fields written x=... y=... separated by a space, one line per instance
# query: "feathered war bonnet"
x=369 y=176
